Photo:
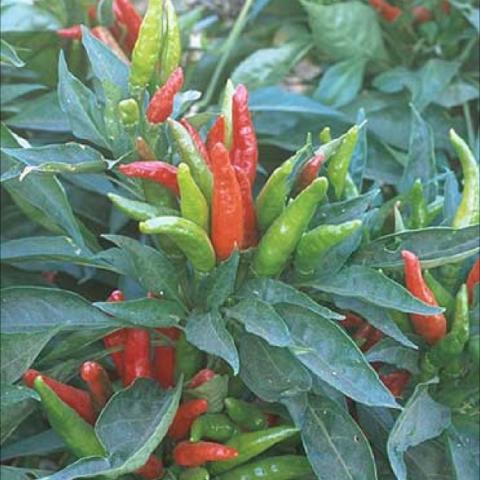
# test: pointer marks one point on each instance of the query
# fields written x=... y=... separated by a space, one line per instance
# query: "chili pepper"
x=188 y=237
x=325 y=135
x=446 y=7
x=201 y=377
x=251 y=444
x=272 y=420
x=468 y=213
x=310 y=171
x=372 y=339
x=396 y=382
x=96 y=378
x=77 y=399
x=245 y=414
x=431 y=327
x=77 y=434
x=136 y=356
x=317 y=242
x=244 y=151
x=198 y=473
x=197 y=139
x=164 y=359
x=281 y=239
x=152 y=470
x=193 y=205
x=147 y=47
x=216 y=133
x=402 y=320
x=189 y=358
x=161 y=104
x=137 y=210
x=212 y=426
x=227 y=227
x=338 y=164
x=159 y=172
x=389 y=12
x=227 y=113
x=172 y=48
x=144 y=150
x=352 y=321
x=129 y=112
x=443 y=296
x=127 y=15
x=188 y=454
x=117 y=338
x=250 y=233
x=186 y=414
x=422 y=14
x=192 y=157
x=70 y=33
x=472 y=279
x=362 y=334
x=285 y=467
x=418 y=206
x=103 y=34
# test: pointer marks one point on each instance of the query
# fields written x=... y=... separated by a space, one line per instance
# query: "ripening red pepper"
x=75 y=398
x=117 y=338
x=227 y=227
x=362 y=334
x=72 y=33
x=127 y=15
x=389 y=12
x=310 y=171
x=431 y=327
x=245 y=151
x=250 y=230
x=161 y=104
x=164 y=359
x=186 y=414
x=216 y=133
x=472 y=279
x=197 y=139
x=373 y=338
x=194 y=454
x=396 y=382
x=272 y=420
x=422 y=14
x=203 y=376
x=352 y=321
x=152 y=470
x=136 y=355
x=159 y=172
x=98 y=383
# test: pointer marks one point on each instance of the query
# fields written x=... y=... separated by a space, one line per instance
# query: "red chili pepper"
x=164 y=359
x=472 y=279
x=186 y=414
x=104 y=35
x=227 y=227
x=352 y=321
x=389 y=12
x=159 y=172
x=136 y=355
x=194 y=454
x=362 y=334
x=127 y=15
x=117 y=338
x=446 y=7
x=197 y=139
x=203 y=376
x=161 y=104
x=310 y=171
x=422 y=14
x=50 y=277
x=272 y=420
x=96 y=378
x=73 y=33
x=431 y=327
x=396 y=382
x=92 y=12
x=245 y=150
x=216 y=133
x=152 y=470
x=373 y=338
x=75 y=398
x=250 y=231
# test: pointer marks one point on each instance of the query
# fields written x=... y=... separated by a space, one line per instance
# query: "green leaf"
x=456 y=94
x=272 y=373
x=389 y=351
x=435 y=246
x=261 y=319
x=8 y=55
x=42 y=443
x=208 y=332
x=328 y=352
x=421 y=419
x=335 y=445
x=463 y=445
x=16 y=473
x=373 y=287
x=13 y=394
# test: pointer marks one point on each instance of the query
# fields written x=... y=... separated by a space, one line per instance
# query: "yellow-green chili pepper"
x=193 y=205
x=172 y=48
x=418 y=206
x=138 y=210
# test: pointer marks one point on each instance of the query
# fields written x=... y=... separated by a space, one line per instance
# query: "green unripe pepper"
x=78 y=435
x=245 y=414
x=325 y=135
x=418 y=206
x=188 y=358
x=198 y=473
x=172 y=47
x=193 y=205
x=443 y=296
x=138 y=210
x=129 y=112
x=281 y=239
x=212 y=426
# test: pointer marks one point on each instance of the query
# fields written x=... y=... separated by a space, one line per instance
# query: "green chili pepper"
x=129 y=112
x=198 y=473
x=402 y=321
x=443 y=296
x=285 y=467
x=78 y=435
x=325 y=135
x=338 y=164
x=251 y=444
x=351 y=190
x=245 y=414
x=188 y=236
x=272 y=198
x=192 y=157
x=281 y=239
x=147 y=48
x=315 y=243
x=193 y=205
x=418 y=206
x=138 y=210
x=188 y=358
x=434 y=209
x=227 y=113
x=212 y=426
x=468 y=212
x=172 y=49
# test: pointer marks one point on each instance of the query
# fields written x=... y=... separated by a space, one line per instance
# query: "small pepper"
x=310 y=171
x=127 y=15
x=188 y=454
x=144 y=150
x=443 y=296
x=159 y=172
x=164 y=359
x=185 y=416
x=96 y=378
x=137 y=210
x=472 y=279
x=116 y=339
x=250 y=233
x=389 y=12
x=129 y=112
x=70 y=33
x=201 y=377
x=227 y=114
x=362 y=334
x=422 y=14
x=281 y=239
x=352 y=321
x=197 y=473
x=193 y=205
x=418 y=206
x=396 y=382
x=197 y=139
x=373 y=338
x=216 y=133
x=246 y=415
x=189 y=358
x=136 y=356
x=172 y=48
x=212 y=426
x=152 y=470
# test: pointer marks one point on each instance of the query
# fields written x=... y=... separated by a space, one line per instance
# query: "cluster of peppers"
x=420 y=13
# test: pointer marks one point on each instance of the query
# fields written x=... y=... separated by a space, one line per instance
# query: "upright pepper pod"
x=136 y=356
x=161 y=104
x=227 y=226
x=164 y=358
x=389 y=12
x=418 y=206
x=310 y=171
x=281 y=239
x=197 y=139
x=250 y=233
x=431 y=327
x=96 y=378
x=129 y=112
x=245 y=414
x=193 y=205
x=116 y=339
x=185 y=416
x=472 y=279
x=188 y=454
x=216 y=133
x=172 y=48
x=127 y=15
x=189 y=358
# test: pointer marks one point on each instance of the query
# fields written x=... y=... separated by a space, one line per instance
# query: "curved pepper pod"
x=212 y=426
x=472 y=279
x=127 y=15
x=70 y=33
x=193 y=205
x=315 y=243
x=246 y=415
x=188 y=236
x=431 y=327
x=201 y=377
x=281 y=239
x=158 y=172
x=216 y=133
x=188 y=454
x=185 y=416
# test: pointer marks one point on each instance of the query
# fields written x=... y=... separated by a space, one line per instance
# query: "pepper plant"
x=173 y=309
